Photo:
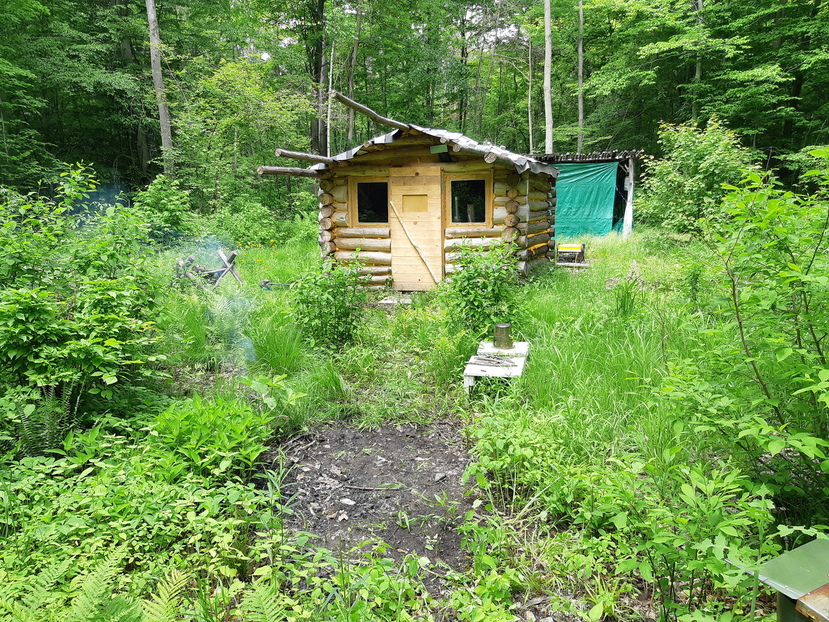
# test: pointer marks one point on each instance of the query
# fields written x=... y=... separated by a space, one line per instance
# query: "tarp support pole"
x=627 y=220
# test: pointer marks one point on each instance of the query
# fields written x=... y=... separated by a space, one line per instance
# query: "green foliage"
x=227 y=126
x=329 y=304
x=246 y=222
x=216 y=436
x=109 y=490
x=772 y=290
x=76 y=296
x=669 y=522
x=91 y=596
x=687 y=184
x=204 y=329
x=168 y=601
x=484 y=289
x=165 y=207
x=43 y=420
x=277 y=342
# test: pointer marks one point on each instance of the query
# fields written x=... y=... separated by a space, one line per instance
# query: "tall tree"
x=548 y=70
x=158 y=86
x=580 y=71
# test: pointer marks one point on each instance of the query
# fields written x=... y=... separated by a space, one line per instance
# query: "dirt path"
x=398 y=486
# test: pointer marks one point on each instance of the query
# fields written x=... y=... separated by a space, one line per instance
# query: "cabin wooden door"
x=416 y=223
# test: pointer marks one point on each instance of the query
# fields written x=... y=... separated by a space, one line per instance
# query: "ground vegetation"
x=174 y=450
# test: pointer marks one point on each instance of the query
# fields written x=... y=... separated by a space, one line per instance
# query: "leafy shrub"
x=330 y=304
x=216 y=436
x=110 y=491
x=771 y=281
x=76 y=297
x=247 y=222
x=687 y=184
x=165 y=207
x=670 y=523
x=484 y=289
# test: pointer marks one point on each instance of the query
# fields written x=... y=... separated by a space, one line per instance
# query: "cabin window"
x=468 y=201
x=373 y=201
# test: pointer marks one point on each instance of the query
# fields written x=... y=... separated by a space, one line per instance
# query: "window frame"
x=486 y=177
x=353 y=213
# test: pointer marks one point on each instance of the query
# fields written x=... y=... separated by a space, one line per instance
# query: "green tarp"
x=586 y=192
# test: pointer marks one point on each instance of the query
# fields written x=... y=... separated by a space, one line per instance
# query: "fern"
x=43 y=599
x=45 y=422
x=165 y=605
x=42 y=592
x=94 y=602
x=22 y=600
x=263 y=604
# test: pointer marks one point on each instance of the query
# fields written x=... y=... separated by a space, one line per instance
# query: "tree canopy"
x=245 y=77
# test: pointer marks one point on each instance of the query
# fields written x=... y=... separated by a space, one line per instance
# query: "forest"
x=286 y=444
x=242 y=78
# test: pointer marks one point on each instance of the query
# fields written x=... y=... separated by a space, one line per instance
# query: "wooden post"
x=627 y=220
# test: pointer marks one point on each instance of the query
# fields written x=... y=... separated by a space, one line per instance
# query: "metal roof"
x=595 y=156
x=521 y=163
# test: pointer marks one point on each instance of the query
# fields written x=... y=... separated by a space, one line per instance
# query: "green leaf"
x=783 y=353
x=775 y=446
x=595 y=613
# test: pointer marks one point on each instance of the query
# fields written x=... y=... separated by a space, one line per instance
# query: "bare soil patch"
x=397 y=487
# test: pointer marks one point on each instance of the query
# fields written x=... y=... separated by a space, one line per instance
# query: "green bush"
x=246 y=222
x=330 y=304
x=687 y=184
x=771 y=285
x=484 y=289
x=216 y=435
x=165 y=207
x=76 y=296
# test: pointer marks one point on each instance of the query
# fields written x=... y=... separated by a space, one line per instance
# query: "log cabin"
x=403 y=203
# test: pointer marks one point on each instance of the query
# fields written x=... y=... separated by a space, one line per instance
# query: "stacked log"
x=523 y=208
x=371 y=246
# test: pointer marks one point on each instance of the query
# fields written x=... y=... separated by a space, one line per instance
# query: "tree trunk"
x=328 y=101
x=313 y=32
x=696 y=7
x=352 y=67
x=548 y=89
x=580 y=139
x=160 y=95
x=530 y=94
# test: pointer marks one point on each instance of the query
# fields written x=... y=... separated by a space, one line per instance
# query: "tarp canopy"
x=585 y=192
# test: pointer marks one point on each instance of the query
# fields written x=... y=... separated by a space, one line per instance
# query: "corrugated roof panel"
x=520 y=162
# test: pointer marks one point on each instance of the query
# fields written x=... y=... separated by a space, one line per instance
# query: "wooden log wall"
x=524 y=209
x=340 y=239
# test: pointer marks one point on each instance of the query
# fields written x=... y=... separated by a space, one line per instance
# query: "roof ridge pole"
x=377 y=118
